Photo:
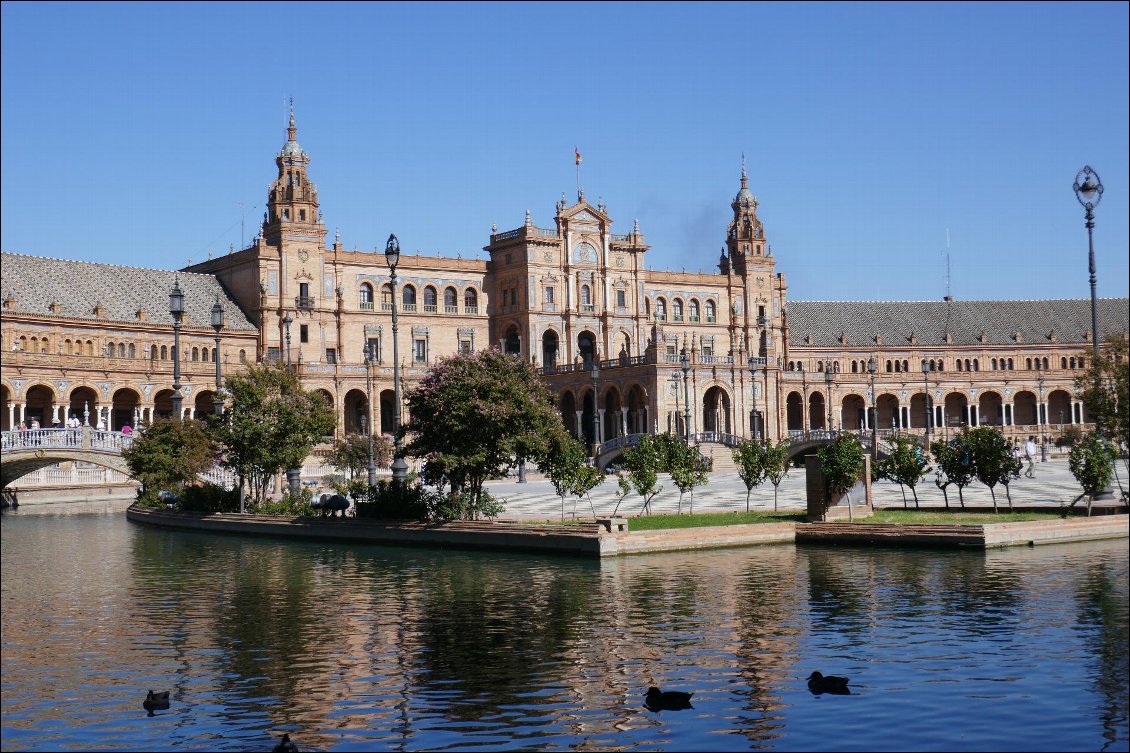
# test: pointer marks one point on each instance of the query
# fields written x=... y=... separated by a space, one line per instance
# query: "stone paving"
x=1052 y=486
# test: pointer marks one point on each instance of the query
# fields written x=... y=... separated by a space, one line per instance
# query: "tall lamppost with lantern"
x=399 y=466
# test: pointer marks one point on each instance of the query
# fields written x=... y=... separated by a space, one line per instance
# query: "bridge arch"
x=41 y=401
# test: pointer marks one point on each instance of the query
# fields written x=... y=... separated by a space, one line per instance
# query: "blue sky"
x=131 y=132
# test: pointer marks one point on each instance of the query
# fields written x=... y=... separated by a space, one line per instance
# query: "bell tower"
x=292 y=200
x=745 y=236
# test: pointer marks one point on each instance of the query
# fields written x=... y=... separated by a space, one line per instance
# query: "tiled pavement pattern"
x=1053 y=485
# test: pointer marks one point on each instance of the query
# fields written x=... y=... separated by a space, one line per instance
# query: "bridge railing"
x=74 y=439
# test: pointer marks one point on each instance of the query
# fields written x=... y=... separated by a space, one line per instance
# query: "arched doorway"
x=83 y=405
x=989 y=409
x=204 y=405
x=637 y=410
x=568 y=407
x=587 y=414
x=918 y=411
x=853 y=413
x=162 y=404
x=887 y=409
x=956 y=411
x=549 y=345
x=716 y=411
x=40 y=401
x=1059 y=408
x=611 y=421
x=817 y=411
x=1025 y=410
x=794 y=412
x=356 y=420
x=125 y=405
x=586 y=346
x=512 y=343
x=5 y=399
x=388 y=412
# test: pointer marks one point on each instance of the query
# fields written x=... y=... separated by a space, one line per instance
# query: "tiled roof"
x=965 y=321
x=35 y=282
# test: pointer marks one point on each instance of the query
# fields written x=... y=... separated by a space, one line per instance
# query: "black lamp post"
x=399 y=466
x=804 y=398
x=595 y=405
x=759 y=418
x=685 y=360
x=929 y=409
x=1041 y=418
x=829 y=381
x=218 y=325
x=1089 y=192
x=287 y=321
x=872 y=367
x=176 y=308
x=370 y=357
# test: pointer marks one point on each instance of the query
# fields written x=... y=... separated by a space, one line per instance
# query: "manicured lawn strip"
x=653 y=522
x=956 y=517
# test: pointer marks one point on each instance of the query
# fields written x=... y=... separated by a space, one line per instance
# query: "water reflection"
x=402 y=649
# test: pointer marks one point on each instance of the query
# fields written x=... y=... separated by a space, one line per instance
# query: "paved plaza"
x=1052 y=486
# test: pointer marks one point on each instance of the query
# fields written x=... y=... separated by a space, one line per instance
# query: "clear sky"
x=131 y=132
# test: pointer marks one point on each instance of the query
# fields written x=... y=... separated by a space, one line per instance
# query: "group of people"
x=74 y=423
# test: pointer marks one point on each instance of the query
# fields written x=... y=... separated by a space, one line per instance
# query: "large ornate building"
x=730 y=350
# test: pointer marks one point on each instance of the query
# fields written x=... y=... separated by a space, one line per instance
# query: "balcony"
x=431 y=309
x=470 y=309
x=304 y=302
x=366 y=305
x=588 y=308
x=451 y=309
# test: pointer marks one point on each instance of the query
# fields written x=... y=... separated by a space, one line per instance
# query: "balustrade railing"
x=73 y=439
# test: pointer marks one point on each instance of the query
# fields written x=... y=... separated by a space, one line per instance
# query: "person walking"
x=1030 y=456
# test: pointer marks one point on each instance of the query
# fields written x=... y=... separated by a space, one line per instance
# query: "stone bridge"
x=22 y=452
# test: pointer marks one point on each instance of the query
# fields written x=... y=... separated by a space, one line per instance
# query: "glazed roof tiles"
x=35 y=282
x=965 y=321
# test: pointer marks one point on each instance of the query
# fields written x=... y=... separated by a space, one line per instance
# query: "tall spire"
x=745 y=180
x=292 y=131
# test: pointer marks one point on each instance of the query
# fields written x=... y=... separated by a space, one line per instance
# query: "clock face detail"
x=303 y=255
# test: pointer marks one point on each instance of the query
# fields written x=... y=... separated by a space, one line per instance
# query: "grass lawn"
x=952 y=517
x=652 y=522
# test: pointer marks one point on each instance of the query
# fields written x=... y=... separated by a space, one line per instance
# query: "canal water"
x=355 y=647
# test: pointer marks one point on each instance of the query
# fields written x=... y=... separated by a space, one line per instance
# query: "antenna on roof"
x=948 y=296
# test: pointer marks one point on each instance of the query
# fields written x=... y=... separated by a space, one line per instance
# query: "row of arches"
x=410 y=295
x=115 y=349
x=42 y=403
x=954 y=409
x=677 y=309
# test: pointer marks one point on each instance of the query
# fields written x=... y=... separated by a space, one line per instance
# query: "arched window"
x=366 y=296
x=471 y=301
x=132 y=351
x=195 y=354
x=835 y=367
x=661 y=309
x=121 y=350
x=1063 y=362
x=976 y=365
x=1010 y=366
x=450 y=300
x=694 y=310
x=1045 y=364
x=898 y=367
x=1082 y=363
x=647 y=308
x=164 y=352
x=242 y=355
x=431 y=299
x=710 y=311
x=386 y=297
x=408 y=298
x=854 y=367
x=677 y=309
x=1028 y=363
x=586 y=295
x=153 y=352
x=819 y=365
x=890 y=367
x=109 y=347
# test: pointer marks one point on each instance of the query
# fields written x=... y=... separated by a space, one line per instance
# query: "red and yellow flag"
x=578 y=155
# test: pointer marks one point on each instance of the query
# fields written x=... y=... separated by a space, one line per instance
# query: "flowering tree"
x=475 y=416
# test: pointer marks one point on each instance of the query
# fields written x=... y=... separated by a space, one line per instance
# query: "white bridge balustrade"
x=77 y=439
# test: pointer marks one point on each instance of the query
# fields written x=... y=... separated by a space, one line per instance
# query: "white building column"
x=54 y=413
x=23 y=412
x=578 y=426
x=974 y=415
x=623 y=423
x=600 y=427
x=11 y=415
x=1012 y=413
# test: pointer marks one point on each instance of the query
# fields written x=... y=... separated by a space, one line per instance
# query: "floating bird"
x=672 y=700
x=285 y=745
x=818 y=683
x=155 y=702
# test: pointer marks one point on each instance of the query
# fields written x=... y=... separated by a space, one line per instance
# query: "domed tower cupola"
x=292 y=199
x=745 y=237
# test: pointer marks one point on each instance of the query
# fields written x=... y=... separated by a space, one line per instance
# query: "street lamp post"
x=218 y=324
x=804 y=398
x=929 y=408
x=873 y=367
x=685 y=360
x=176 y=308
x=1041 y=418
x=829 y=381
x=759 y=425
x=287 y=321
x=1089 y=191
x=369 y=358
x=399 y=466
x=595 y=405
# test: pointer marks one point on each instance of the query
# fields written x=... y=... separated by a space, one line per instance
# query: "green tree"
x=842 y=462
x=474 y=416
x=776 y=465
x=170 y=453
x=992 y=458
x=565 y=465
x=688 y=469
x=1105 y=389
x=954 y=466
x=641 y=465
x=351 y=454
x=906 y=465
x=1092 y=464
x=270 y=423
x=749 y=457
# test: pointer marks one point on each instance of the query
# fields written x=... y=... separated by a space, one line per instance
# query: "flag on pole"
x=578 y=155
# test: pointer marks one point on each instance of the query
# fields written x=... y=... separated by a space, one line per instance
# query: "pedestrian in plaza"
x=101 y=424
x=1030 y=456
x=126 y=430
